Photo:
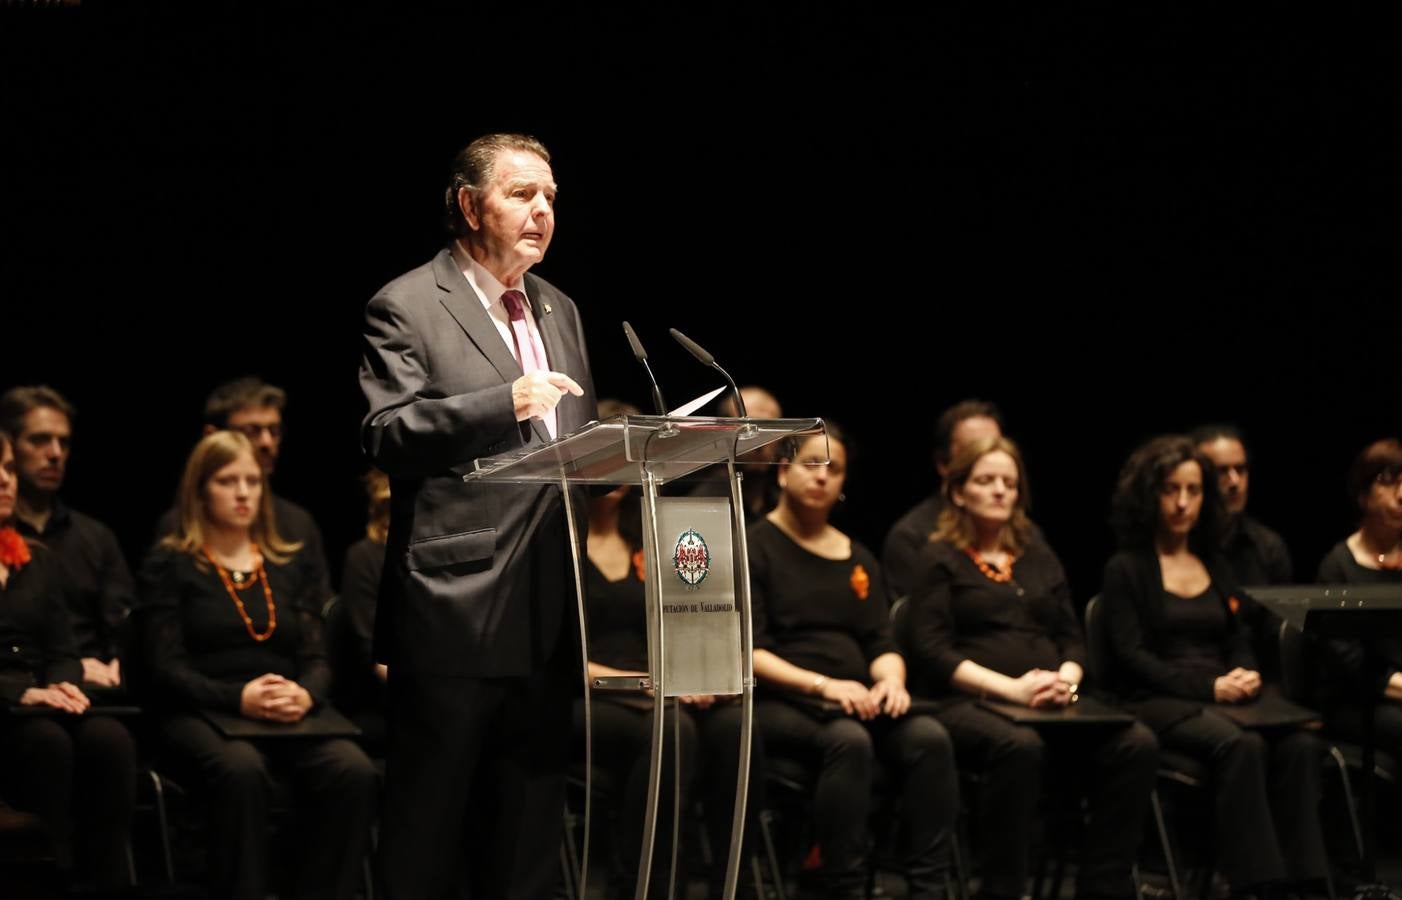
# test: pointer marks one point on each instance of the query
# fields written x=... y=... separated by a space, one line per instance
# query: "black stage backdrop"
x=1113 y=222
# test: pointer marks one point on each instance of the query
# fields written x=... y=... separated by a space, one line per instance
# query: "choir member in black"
x=74 y=770
x=232 y=623
x=1179 y=648
x=97 y=584
x=1371 y=555
x=821 y=634
x=1256 y=553
x=992 y=617
x=360 y=681
x=615 y=602
x=957 y=427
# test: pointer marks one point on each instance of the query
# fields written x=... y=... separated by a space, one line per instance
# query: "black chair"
x=606 y=792
x=1174 y=768
x=1298 y=657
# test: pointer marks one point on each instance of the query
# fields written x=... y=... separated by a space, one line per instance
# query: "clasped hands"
x=1043 y=689
x=273 y=698
x=1237 y=686
x=887 y=696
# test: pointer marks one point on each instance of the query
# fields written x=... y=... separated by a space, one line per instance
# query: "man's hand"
x=536 y=395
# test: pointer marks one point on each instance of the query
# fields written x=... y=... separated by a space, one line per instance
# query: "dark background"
x=1113 y=222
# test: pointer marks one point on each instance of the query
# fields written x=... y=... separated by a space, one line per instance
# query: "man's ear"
x=467 y=203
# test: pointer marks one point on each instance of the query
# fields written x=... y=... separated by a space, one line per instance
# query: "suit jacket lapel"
x=465 y=306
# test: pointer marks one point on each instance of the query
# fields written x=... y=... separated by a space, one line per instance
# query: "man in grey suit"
x=469 y=356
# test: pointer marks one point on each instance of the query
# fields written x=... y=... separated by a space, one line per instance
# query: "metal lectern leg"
x=584 y=662
x=747 y=683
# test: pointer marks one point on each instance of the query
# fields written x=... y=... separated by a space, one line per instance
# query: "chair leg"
x=569 y=859
x=1338 y=757
x=961 y=871
x=776 y=872
x=1165 y=845
x=158 y=794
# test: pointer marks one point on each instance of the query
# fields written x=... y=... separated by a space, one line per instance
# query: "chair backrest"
x=1098 y=656
x=899 y=616
x=1293 y=653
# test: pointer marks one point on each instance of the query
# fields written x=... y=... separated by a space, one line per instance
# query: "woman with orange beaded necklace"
x=231 y=624
x=991 y=617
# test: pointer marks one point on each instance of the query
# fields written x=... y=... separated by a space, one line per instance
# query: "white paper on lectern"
x=687 y=409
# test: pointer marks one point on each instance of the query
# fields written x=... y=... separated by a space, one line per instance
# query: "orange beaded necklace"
x=258 y=574
x=991 y=572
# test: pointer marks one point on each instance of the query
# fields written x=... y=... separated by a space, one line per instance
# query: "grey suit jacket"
x=476 y=579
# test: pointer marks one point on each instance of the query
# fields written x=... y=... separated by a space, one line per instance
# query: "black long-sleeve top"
x=357 y=685
x=36 y=642
x=1349 y=671
x=1156 y=663
x=1256 y=554
x=825 y=615
x=97 y=585
x=617 y=613
x=199 y=652
x=957 y=613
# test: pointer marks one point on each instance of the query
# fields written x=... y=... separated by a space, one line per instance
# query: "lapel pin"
x=546 y=307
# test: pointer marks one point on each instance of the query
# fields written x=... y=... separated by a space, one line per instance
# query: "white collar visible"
x=484 y=283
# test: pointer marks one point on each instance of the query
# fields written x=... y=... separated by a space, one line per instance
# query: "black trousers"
x=710 y=742
x=78 y=774
x=915 y=751
x=334 y=785
x=475 y=783
x=1115 y=768
x=1266 y=793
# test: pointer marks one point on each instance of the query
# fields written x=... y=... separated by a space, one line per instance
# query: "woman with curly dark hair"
x=1180 y=650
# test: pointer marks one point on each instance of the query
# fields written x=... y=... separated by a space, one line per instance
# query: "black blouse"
x=617 y=618
x=958 y=613
x=199 y=652
x=1348 y=669
x=357 y=684
x=1148 y=647
x=825 y=615
x=37 y=648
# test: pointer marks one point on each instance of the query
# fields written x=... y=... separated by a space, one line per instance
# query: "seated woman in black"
x=821 y=634
x=231 y=625
x=1371 y=555
x=616 y=602
x=991 y=617
x=1179 y=648
x=360 y=681
x=77 y=772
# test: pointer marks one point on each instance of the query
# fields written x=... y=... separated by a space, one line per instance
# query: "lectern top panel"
x=623 y=449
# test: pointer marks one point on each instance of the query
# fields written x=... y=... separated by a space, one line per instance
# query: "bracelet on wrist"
x=818 y=684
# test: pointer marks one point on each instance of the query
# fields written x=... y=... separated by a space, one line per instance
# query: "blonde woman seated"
x=991 y=617
x=231 y=624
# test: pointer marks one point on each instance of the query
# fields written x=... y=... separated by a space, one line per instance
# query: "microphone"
x=641 y=356
x=707 y=359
